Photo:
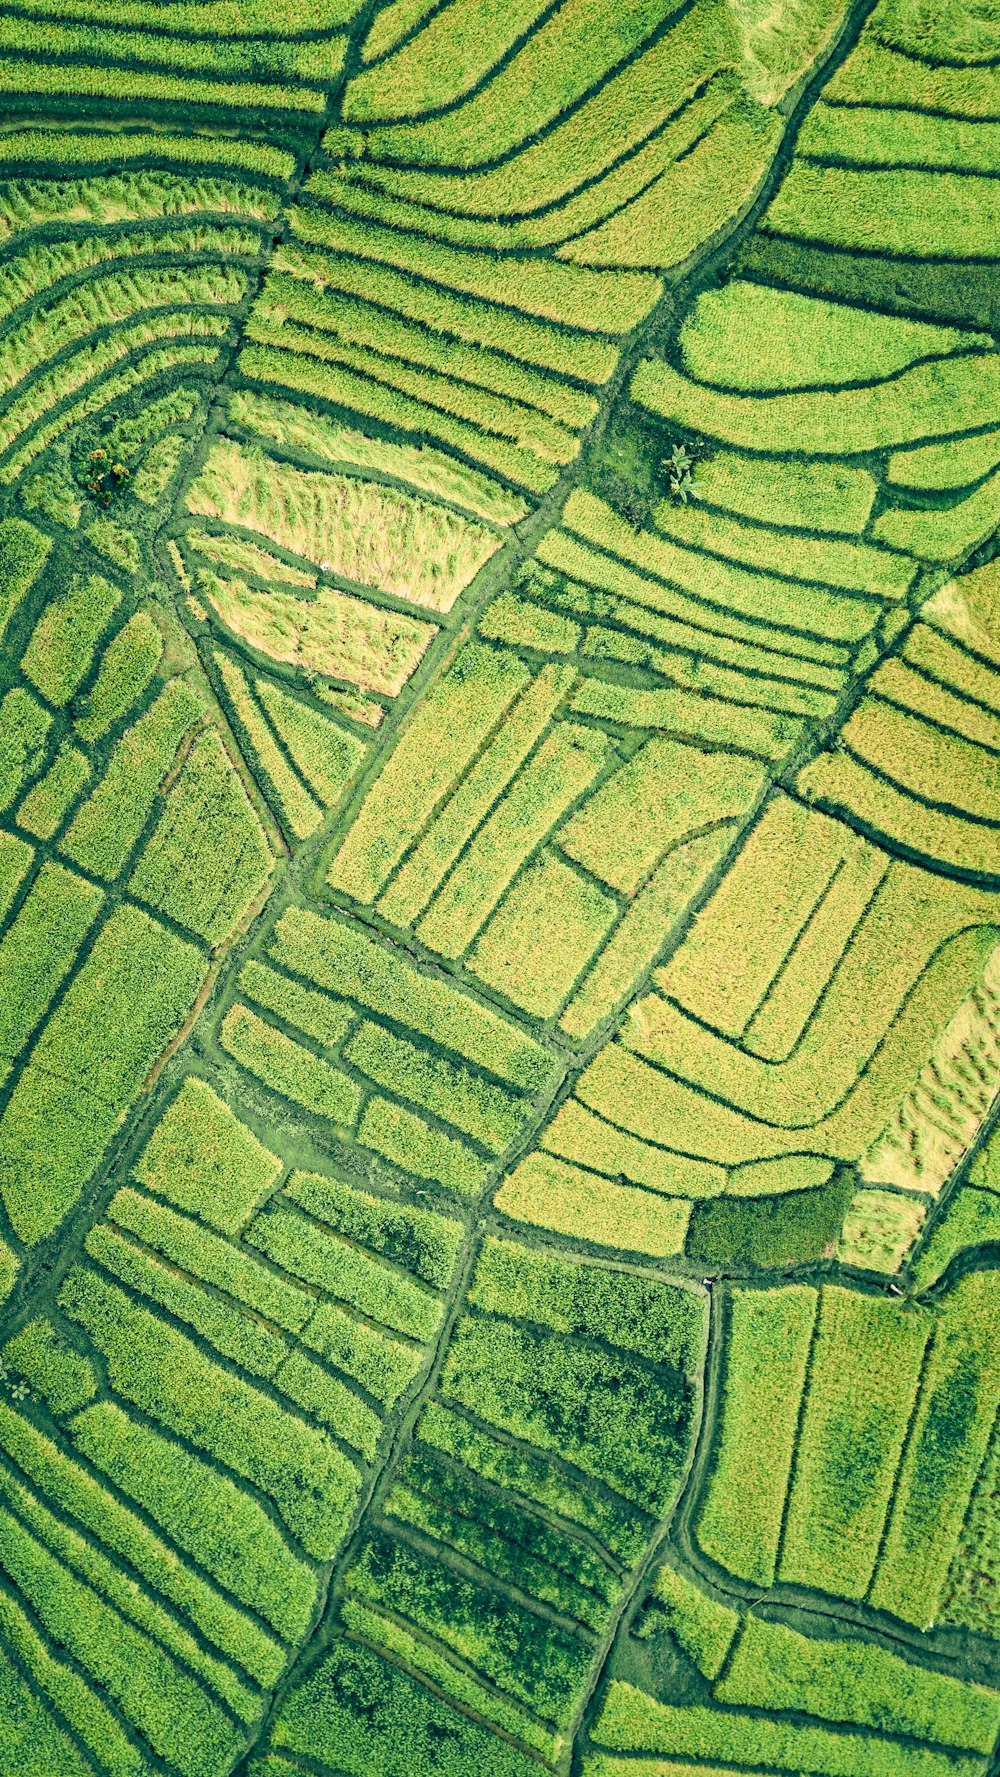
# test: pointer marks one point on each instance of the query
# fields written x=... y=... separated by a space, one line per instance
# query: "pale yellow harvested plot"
x=248 y=558
x=369 y=534
x=334 y=633
x=879 y=1229
x=943 y=1111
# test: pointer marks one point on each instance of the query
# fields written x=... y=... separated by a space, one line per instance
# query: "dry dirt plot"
x=499 y=888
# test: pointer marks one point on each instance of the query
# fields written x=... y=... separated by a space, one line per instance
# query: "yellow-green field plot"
x=499 y=888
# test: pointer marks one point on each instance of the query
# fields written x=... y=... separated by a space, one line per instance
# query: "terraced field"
x=499 y=888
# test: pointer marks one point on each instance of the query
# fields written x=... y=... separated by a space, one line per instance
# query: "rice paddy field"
x=499 y=888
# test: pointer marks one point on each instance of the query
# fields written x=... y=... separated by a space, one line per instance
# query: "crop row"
x=451 y=343
x=733 y=1087
x=208 y=18
x=917 y=759
x=87 y=738
x=370 y=535
x=302 y=757
x=114 y=291
x=211 y=73
x=934 y=915
x=763 y=1664
x=828 y=422
x=37 y=268
x=863 y=1491
x=205 y=1162
x=297 y=61
x=152 y=362
x=499 y=1551
x=470 y=1073
x=631 y=1721
x=681 y=581
x=776 y=370
x=324 y=442
x=448 y=835
x=647 y=142
x=849 y=1681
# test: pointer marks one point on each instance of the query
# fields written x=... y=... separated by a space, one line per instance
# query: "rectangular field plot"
x=633 y=1722
x=946 y=1446
x=546 y=1192
x=124 y=1005
x=850 y=1681
x=916 y=761
x=413 y=1067
x=220 y=1368
x=848 y=1451
x=740 y=1520
x=454 y=837
x=855 y=1479
x=499 y=1551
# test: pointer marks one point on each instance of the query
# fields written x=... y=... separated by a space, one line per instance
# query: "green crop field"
x=499 y=888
